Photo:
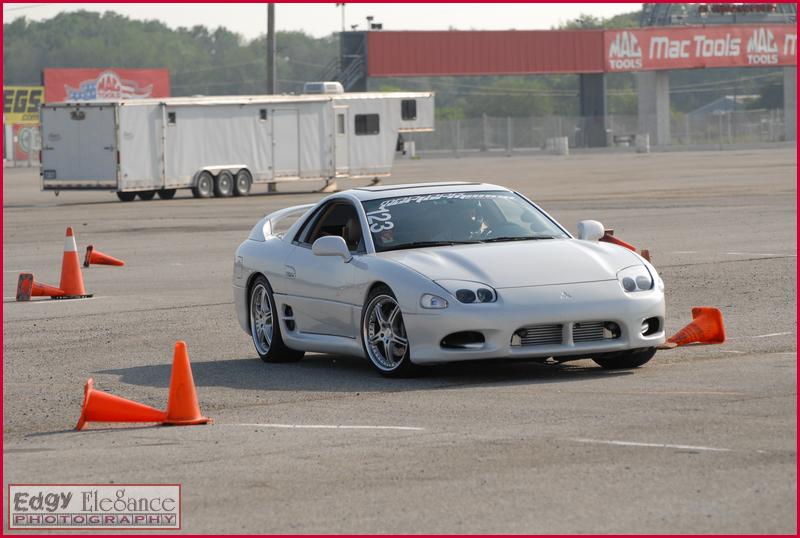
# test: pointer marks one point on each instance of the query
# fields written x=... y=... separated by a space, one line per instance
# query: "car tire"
x=242 y=183
x=381 y=334
x=204 y=186
x=146 y=195
x=223 y=184
x=126 y=196
x=267 y=334
x=626 y=360
x=167 y=194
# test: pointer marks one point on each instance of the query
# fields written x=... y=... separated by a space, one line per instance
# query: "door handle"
x=109 y=148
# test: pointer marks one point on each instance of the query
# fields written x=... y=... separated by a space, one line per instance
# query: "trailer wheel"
x=167 y=194
x=243 y=182
x=223 y=184
x=126 y=196
x=204 y=186
x=146 y=195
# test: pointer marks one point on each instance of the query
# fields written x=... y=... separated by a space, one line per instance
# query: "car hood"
x=517 y=264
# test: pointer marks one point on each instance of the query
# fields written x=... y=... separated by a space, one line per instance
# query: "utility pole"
x=342 y=6
x=271 y=49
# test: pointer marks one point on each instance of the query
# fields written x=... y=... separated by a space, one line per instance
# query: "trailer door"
x=340 y=141
x=285 y=143
x=79 y=147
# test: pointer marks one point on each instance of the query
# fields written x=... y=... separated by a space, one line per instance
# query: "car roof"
x=416 y=189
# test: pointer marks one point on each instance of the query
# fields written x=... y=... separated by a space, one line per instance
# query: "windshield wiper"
x=421 y=244
x=529 y=238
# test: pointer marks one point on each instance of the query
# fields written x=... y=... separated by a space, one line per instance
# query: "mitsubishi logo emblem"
x=565 y=296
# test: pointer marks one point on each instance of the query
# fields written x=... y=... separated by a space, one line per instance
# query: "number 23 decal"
x=380 y=221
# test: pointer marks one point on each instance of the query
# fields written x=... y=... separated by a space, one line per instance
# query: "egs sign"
x=21 y=104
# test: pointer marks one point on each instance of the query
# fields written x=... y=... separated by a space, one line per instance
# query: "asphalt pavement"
x=702 y=439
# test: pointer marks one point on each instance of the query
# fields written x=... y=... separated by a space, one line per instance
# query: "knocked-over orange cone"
x=608 y=237
x=182 y=406
x=71 y=277
x=95 y=257
x=27 y=287
x=99 y=406
x=706 y=328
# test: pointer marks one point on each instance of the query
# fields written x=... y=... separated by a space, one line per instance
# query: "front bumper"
x=515 y=308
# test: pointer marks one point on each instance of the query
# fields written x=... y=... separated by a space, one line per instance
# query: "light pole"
x=271 y=49
x=342 y=6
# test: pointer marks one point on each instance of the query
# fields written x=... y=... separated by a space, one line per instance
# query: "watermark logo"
x=94 y=506
x=107 y=85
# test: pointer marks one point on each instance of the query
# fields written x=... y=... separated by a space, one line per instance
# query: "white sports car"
x=406 y=275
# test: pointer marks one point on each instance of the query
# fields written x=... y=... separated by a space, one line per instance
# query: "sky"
x=322 y=19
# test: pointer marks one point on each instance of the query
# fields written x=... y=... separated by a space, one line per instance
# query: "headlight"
x=431 y=301
x=636 y=278
x=468 y=292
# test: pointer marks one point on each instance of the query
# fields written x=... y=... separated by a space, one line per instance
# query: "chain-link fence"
x=531 y=133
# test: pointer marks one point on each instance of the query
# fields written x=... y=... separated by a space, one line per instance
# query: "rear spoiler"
x=266 y=226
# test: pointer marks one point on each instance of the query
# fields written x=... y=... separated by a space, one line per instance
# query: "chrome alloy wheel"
x=261 y=319
x=384 y=333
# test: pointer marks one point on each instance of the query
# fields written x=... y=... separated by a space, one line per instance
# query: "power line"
x=25 y=7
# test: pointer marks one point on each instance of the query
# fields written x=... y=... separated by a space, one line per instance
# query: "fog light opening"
x=651 y=326
x=463 y=340
x=611 y=330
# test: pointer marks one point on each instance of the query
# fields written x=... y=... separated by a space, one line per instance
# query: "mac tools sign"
x=62 y=85
x=696 y=47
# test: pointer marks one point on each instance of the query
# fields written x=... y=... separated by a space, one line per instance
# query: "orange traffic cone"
x=98 y=258
x=646 y=254
x=71 y=277
x=182 y=406
x=608 y=237
x=99 y=406
x=706 y=328
x=28 y=287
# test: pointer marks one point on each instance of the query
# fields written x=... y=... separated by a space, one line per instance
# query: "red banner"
x=700 y=46
x=97 y=84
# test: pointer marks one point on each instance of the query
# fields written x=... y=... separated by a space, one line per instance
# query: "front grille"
x=539 y=335
x=587 y=331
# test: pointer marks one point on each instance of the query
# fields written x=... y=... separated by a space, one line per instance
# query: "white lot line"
x=766 y=254
x=768 y=335
x=761 y=254
x=649 y=445
x=329 y=427
x=38 y=300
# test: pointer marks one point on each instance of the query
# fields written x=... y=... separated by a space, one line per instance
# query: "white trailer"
x=223 y=145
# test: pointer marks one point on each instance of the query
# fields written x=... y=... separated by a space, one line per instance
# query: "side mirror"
x=331 y=245
x=590 y=230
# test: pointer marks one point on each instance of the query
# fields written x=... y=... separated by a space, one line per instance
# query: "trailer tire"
x=167 y=194
x=242 y=183
x=126 y=196
x=146 y=195
x=223 y=184
x=204 y=186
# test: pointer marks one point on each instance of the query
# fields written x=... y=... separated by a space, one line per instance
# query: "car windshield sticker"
x=380 y=219
x=442 y=196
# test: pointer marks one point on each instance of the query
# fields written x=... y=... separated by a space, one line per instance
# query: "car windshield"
x=451 y=218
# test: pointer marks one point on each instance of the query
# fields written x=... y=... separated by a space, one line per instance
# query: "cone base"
x=188 y=422
x=62 y=297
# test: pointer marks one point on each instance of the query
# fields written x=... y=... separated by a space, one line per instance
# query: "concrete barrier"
x=558 y=145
